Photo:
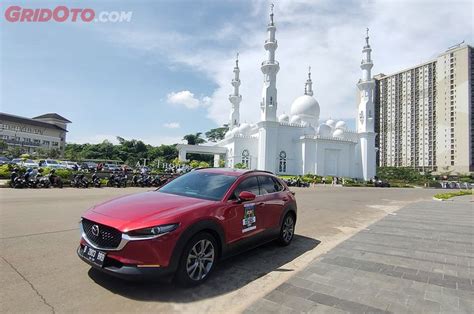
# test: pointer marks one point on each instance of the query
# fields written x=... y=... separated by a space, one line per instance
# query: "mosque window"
x=282 y=164
x=246 y=158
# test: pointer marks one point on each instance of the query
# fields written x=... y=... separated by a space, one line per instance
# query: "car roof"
x=232 y=171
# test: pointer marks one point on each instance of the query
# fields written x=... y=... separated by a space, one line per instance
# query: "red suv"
x=186 y=226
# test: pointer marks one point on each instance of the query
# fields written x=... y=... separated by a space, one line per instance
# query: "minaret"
x=365 y=121
x=235 y=98
x=308 y=86
x=269 y=69
x=365 y=116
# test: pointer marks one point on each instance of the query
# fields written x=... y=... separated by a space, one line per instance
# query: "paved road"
x=39 y=269
x=418 y=260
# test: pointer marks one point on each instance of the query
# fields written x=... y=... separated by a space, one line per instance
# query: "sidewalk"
x=417 y=260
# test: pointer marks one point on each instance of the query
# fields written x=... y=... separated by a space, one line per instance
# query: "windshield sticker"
x=250 y=221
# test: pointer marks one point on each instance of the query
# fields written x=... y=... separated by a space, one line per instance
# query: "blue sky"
x=167 y=72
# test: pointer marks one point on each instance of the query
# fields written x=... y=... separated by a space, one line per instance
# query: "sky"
x=167 y=71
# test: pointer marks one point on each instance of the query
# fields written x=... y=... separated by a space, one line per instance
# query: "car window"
x=249 y=185
x=278 y=185
x=205 y=185
x=267 y=185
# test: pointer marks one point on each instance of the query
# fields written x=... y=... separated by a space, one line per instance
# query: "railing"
x=270 y=63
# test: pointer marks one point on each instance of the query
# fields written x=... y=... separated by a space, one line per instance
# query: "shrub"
x=240 y=166
x=64 y=173
x=5 y=171
x=445 y=196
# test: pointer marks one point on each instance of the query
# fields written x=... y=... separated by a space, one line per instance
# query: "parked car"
x=17 y=161
x=50 y=163
x=71 y=165
x=4 y=160
x=88 y=165
x=185 y=227
x=112 y=167
x=29 y=163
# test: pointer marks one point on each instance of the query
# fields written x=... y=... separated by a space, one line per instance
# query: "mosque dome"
x=338 y=133
x=284 y=118
x=324 y=130
x=307 y=108
x=331 y=123
x=295 y=119
x=341 y=125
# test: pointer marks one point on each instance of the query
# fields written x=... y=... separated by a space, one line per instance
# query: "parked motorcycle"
x=117 y=180
x=54 y=179
x=96 y=180
x=79 y=181
x=17 y=181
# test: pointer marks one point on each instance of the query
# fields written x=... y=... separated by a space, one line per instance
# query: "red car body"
x=161 y=255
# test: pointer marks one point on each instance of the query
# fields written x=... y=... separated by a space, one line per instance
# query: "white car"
x=71 y=165
x=49 y=163
x=28 y=163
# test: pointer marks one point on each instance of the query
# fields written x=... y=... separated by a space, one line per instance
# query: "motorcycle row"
x=33 y=178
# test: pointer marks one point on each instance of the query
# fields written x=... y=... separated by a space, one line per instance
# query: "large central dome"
x=307 y=108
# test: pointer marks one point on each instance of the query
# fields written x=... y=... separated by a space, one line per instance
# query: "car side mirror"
x=246 y=196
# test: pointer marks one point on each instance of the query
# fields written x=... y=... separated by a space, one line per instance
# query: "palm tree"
x=194 y=139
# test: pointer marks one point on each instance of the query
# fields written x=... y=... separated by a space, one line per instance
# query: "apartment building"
x=425 y=115
x=47 y=131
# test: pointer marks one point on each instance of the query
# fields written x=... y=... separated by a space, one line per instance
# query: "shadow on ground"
x=228 y=276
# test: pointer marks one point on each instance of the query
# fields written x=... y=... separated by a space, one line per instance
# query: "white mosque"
x=298 y=143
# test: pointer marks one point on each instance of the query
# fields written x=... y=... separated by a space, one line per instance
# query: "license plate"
x=95 y=256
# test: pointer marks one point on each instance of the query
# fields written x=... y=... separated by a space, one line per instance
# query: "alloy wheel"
x=200 y=259
x=288 y=228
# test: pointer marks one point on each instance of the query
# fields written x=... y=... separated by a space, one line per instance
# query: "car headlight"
x=151 y=232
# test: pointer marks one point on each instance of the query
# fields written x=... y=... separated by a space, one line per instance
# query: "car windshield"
x=29 y=161
x=198 y=184
x=52 y=162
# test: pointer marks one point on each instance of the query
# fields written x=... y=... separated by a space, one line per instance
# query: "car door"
x=244 y=220
x=273 y=199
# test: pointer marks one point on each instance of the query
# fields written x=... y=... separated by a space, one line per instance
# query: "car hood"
x=143 y=210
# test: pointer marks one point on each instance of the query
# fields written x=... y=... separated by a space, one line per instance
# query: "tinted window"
x=249 y=185
x=198 y=184
x=278 y=185
x=267 y=185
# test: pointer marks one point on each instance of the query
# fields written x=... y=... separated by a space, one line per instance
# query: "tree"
x=217 y=134
x=194 y=139
x=54 y=153
x=3 y=145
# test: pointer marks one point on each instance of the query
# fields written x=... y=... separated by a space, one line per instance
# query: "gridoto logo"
x=60 y=14
x=95 y=230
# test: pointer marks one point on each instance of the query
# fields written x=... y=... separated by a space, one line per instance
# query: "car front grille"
x=107 y=238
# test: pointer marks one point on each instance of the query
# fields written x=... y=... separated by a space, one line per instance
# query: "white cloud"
x=325 y=34
x=187 y=99
x=172 y=125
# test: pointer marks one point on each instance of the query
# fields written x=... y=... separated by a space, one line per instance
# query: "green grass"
x=445 y=196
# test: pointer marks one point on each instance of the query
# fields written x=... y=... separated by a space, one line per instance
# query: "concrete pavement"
x=40 y=272
x=417 y=260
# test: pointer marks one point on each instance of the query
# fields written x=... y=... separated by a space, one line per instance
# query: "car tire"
x=287 y=230
x=197 y=261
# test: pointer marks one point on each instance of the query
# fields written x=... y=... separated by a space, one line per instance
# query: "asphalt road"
x=40 y=272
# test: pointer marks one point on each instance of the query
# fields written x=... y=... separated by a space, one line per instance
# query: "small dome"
x=341 y=125
x=284 y=118
x=307 y=108
x=295 y=119
x=338 y=133
x=324 y=130
x=304 y=124
x=331 y=123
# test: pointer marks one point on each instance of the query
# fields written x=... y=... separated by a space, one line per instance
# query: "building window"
x=246 y=158
x=282 y=165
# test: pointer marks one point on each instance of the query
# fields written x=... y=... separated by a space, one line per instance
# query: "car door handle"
x=262 y=204
x=285 y=199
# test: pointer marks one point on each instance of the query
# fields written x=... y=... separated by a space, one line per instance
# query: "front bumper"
x=127 y=271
